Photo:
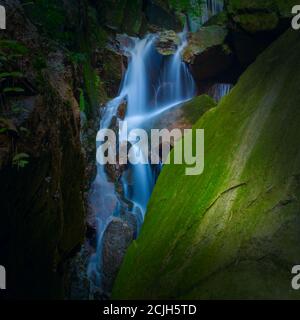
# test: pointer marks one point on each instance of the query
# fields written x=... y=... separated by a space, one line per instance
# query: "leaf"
x=23 y=163
x=8 y=124
x=20 y=160
x=14 y=74
x=21 y=156
x=15 y=46
x=14 y=56
x=17 y=90
x=81 y=101
x=3 y=130
x=4 y=75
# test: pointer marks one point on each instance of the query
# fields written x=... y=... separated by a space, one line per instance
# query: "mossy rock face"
x=195 y=108
x=132 y=20
x=257 y=22
x=159 y=14
x=282 y=7
x=243 y=5
x=220 y=19
x=232 y=232
x=112 y=13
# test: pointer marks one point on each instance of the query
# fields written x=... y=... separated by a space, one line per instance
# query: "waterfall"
x=219 y=90
x=152 y=84
x=209 y=8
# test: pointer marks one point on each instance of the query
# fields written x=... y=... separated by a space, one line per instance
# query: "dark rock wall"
x=42 y=204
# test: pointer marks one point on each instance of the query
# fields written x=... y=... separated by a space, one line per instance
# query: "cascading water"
x=152 y=84
x=209 y=8
x=219 y=90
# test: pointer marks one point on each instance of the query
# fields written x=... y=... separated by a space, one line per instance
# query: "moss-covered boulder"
x=257 y=22
x=282 y=7
x=232 y=232
x=258 y=16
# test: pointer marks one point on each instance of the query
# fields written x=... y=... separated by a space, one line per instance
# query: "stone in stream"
x=122 y=109
x=167 y=42
x=116 y=240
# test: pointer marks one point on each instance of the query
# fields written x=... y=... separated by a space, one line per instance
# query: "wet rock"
x=167 y=42
x=122 y=109
x=203 y=40
x=186 y=115
x=117 y=239
x=109 y=65
x=159 y=14
x=124 y=41
x=131 y=221
x=207 y=53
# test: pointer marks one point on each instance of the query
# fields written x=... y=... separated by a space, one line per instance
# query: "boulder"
x=167 y=42
x=208 y=53
x=117 y=238
x=159 y=14
x=259 y=22
x=122 y=109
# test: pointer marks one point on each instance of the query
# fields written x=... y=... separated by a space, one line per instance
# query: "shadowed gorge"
x=96 y=96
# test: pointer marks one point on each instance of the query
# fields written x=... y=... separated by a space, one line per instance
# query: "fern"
x=20 y=160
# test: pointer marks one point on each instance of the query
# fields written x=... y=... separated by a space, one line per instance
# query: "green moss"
x=232 y=232
x=244 y=5
x=257 y=22
x=132 y=20
x=283 y=7
x=195 y=108
x=112 y=12
x=220 y=19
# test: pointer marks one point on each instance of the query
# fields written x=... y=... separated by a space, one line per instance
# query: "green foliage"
x=50 y=17
x=13 y=90
x=97 y=35
x=11 y=54
x=77 y=57
x=20 y=160
x=14 y=74
x=191 y=7
x=7 y=125
x=15 y=47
